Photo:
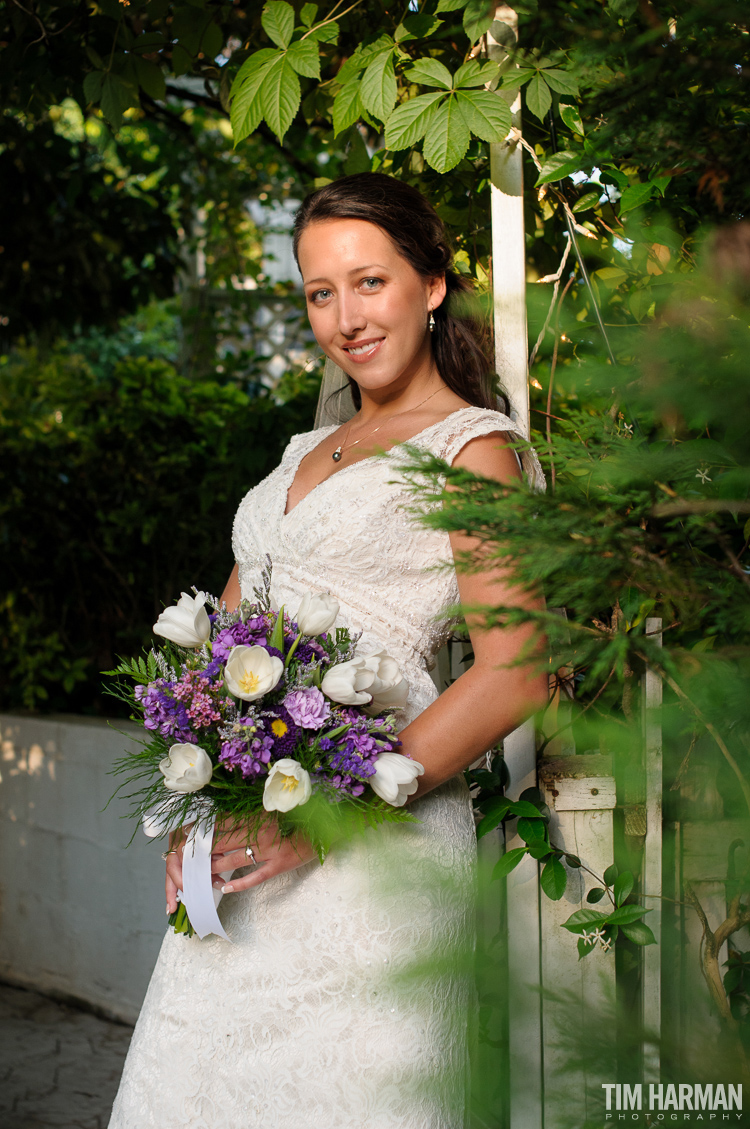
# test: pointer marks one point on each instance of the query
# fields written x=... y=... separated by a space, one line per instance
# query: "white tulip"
x=251 y=672
x=287 y=786
x=347 y=683
x=186 y=623
x=317 y=613
x=395 y=778
x=186 y=768
x=389 y=688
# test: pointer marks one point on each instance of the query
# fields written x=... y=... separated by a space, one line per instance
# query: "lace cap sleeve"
x=464 y=426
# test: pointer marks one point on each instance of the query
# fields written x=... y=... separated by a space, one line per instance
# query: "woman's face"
x=368 y=307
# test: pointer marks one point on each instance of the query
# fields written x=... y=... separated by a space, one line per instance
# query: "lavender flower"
x=308 y=708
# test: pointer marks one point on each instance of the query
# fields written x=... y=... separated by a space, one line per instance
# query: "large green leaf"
x=553 y=879
x=560 y=81
x=474 y=74
x=447 y=138
x=362 y=56
x=347 y=106
x=151 y=78
x=572 y=118
x=538 y=96
x=530 y=829
x=278 y=22
x=622 y=887
x=451 y=5
x=587 y=201
x=634 y=196
x=246 y=108
x=305 y=58
x=116 y=97
x=308 y=14
x=478 y=17
x=280 y=95
x=508 y=862
x=625 y=914
x=487 y=115
x=430 y=72
x=416 y=26
x=326 y=33
x=378 y=89
x=92 y=85
x=639 y=932
x=409 y=122
x=516 y=78
x=584 y=919
x=558 y=166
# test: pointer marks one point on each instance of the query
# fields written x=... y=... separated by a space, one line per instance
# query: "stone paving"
x=59 y=1066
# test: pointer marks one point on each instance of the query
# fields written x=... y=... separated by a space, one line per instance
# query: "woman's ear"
x=438 y=290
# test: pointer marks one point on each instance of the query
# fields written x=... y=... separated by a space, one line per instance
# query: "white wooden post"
x=652 y=861
x=508 y=248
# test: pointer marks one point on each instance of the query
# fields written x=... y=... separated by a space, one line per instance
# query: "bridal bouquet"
x=251 y=712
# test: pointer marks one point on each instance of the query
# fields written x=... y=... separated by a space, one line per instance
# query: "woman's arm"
x=231 y=595
x=490 y=699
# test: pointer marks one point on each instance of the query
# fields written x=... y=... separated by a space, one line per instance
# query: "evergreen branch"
x=703 y=506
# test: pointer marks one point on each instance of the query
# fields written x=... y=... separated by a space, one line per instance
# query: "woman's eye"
x=320 y=295
x=371 y=283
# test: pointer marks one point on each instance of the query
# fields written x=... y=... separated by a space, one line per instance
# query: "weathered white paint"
x=585 y=988
x=652 y=861
x=80 y=915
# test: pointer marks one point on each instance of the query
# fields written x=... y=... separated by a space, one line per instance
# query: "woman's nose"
x=352 y=317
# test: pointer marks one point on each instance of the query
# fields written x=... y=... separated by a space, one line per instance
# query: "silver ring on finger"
x=251 y=856
x=165 y=854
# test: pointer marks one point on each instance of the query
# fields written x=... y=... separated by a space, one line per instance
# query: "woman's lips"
x=364 y=352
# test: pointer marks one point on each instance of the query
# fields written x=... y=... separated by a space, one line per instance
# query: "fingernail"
x=167 y=911
x=227 y=889
x=217 y=886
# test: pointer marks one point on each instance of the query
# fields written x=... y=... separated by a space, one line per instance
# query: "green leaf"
x=634 y=196
x=595 y=895
x=347 y=106
x=611 y=276
x=660 y=183
x=246 y=108
x=410 y=121
x=378 y=91
x=587 y=201
x=212 y=40
x=362 y=56
x=280 y=95
x=478 y=17
x=416 y=26
x=305 y=58
x=538 y=96
x=539 y=848
x=625 y=914
x=92 y=86
x=553 y=879
x=278 y=22
x=487 y=115
x=558 y=166
x=508 y=862
x=610 y=874
x=639 y=932
x=116 y=97
x=474 y=74
x=430 y=72
x=623 y=887
x=573 y=861
x=451 y=5
x=582 y=919
x=523 y=807
x=530 y=828
x=182 y=60
x=572 y=118
x=308 y=14
x=357 y=157
x=584 y=948
x=516 y=78
x=560 y=81
x=151 y=78
x=326 y=33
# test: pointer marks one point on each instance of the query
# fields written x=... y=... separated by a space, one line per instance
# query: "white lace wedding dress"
x=343 y=1001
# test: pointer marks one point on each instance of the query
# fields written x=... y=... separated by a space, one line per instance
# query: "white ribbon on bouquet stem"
x=198 y=895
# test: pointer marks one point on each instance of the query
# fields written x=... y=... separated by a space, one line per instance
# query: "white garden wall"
x=80 y=915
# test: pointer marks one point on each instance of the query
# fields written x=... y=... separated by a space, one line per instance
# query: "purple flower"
x=308 y=708
x=281 y=727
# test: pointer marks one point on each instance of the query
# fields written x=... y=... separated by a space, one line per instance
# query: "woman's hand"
x=272 y=854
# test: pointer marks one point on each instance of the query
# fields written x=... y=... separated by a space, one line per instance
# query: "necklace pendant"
x=336 y=456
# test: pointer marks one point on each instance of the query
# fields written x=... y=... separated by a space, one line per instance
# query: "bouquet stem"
x=180 y=921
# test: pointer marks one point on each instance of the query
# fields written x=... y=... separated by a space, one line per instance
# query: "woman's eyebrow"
x=354 y=270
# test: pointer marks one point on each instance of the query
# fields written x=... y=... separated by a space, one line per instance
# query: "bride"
x=343 y=1000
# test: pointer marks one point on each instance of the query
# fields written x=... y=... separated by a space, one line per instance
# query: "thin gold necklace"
x=336 y=456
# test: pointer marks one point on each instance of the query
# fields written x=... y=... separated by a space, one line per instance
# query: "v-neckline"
x=359 y=462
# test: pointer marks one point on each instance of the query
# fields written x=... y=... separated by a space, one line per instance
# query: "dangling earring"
x=431 y=322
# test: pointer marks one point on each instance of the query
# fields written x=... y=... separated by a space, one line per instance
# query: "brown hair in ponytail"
x=460 y=340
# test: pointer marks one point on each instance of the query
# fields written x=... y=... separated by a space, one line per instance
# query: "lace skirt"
x=342 y=1003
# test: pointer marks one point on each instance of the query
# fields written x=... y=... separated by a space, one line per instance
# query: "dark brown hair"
x=460 y=340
